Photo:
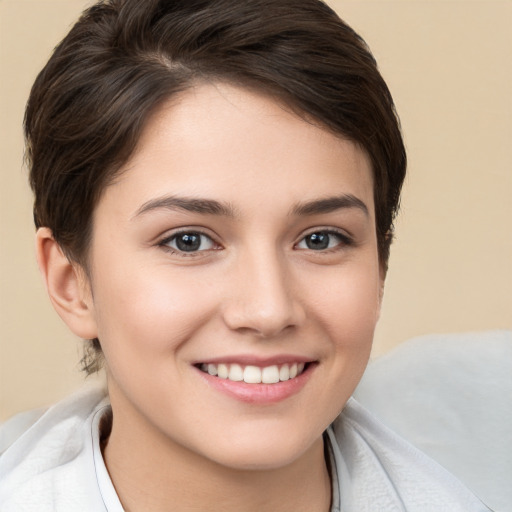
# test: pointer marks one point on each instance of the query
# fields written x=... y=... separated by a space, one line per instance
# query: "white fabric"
x=56 y=465
x=379 y=471
x=451 y=396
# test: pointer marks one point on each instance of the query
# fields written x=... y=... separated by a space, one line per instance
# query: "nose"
x=262 y=297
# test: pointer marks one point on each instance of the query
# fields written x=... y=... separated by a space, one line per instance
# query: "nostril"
x=262 y=324
x=263 y=302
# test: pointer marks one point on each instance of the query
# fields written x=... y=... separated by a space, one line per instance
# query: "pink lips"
x=259 y=393
x=258 y=361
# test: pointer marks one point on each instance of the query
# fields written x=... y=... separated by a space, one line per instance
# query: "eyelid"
x=164 y=240
x=327 y=229
x=345 y=238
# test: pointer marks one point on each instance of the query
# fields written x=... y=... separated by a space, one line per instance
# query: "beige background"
x=449 y=66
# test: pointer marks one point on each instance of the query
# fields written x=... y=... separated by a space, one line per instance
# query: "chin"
x=266 y=450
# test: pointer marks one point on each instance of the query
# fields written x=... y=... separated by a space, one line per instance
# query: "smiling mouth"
x=254 y=374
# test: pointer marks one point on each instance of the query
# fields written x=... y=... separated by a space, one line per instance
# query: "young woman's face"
x=235 y=281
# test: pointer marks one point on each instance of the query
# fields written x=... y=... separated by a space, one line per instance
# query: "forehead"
x=235 y=144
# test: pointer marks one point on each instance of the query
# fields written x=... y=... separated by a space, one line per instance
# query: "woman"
x=215 y=186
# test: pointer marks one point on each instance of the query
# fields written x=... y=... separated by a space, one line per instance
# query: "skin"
x=254 y=289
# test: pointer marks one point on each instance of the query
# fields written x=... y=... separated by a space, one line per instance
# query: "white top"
x=56 y=464
x=450 y=395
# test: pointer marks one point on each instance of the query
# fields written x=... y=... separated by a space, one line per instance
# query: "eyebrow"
x=189 y=204
x=330 y=204
x=213 y=207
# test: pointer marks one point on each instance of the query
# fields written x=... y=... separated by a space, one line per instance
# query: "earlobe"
x=67 y=286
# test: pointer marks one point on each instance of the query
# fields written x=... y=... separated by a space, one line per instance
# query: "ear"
x=67 y=285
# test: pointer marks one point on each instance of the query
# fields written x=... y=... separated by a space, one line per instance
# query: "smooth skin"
x=262 y=266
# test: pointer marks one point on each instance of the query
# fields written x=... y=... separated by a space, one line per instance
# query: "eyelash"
x=343 y=241
x=164 y=244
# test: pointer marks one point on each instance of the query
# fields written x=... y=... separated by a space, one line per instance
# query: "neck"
x=150 y=472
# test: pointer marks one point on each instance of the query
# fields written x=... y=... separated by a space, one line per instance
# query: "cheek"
x=149 y=312
x=349 y=306
x=345 y=311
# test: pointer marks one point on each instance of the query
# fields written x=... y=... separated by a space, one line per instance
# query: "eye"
x=188 y=241
x=323 y=240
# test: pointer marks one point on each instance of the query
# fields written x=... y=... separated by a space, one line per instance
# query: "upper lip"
x=253 y=360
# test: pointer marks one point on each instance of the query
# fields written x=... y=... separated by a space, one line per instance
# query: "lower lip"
x=260 y=393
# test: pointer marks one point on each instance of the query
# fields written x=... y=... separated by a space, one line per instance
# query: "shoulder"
x=375 y=467
x=46 y=458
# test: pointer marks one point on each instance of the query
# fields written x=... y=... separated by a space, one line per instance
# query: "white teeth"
x=270 y=375
x=223 y=371
x=236 y=373
x=254 y=374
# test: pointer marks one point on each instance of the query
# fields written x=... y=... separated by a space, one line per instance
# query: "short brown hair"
x=123 y=58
